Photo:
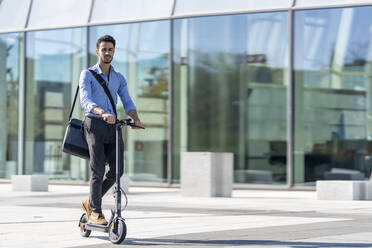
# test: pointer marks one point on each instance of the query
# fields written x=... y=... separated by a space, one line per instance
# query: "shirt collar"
x=97 y=69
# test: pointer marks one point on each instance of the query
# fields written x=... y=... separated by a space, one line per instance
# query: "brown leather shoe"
x=85 y=205
x=97 y=219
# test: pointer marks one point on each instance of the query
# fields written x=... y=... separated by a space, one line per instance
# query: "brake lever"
x=134 y=125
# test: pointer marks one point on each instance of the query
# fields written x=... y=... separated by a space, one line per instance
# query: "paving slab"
x=161 y=217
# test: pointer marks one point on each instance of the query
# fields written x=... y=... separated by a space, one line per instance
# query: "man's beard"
x=107 y=61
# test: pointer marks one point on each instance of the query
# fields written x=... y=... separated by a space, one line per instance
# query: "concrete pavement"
x=161 y=217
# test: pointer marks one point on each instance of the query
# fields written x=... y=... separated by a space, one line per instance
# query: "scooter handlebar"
x=128 y=122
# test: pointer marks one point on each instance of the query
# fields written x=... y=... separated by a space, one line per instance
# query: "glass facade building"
x=283 y=85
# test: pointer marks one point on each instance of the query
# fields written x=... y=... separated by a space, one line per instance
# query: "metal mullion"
x=90 y=11
x=28 y=14
x=173 y=7
x=170 y=108
x=290 y=102
x=86 y=162
x=22 y=107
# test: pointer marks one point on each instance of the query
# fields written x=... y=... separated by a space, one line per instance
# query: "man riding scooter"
x=99 y=106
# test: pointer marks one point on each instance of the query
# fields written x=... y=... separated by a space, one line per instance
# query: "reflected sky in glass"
x=13 y=14
x=263 y=33
x=144 y=44
x=53 y=51
x=321 y=35
x=47 y=13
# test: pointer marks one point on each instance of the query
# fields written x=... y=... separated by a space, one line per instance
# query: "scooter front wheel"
x=84 y=220
x=117 y=231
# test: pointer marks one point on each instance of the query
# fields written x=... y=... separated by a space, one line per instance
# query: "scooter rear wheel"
x=84 y=220
x=117 y=232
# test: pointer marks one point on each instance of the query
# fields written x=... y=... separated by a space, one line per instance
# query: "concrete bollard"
x=345 y=190
x=206 y=174
x=124 y=184
x=30 y=182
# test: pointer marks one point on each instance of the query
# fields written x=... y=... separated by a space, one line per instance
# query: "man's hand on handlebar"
x=109 y=118
x=137 y=123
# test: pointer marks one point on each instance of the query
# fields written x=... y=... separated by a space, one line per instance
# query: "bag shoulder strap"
x=73 y=104
x=104 y=86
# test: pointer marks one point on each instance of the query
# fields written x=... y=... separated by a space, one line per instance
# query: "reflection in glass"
x=230 y=92
x=124 y=10
x=187 y=7
x=333 y=128
x=312 y=3
x=46 y=13
x=142 y=56
x=54 y=62
x=9 y=85
x=13 y=14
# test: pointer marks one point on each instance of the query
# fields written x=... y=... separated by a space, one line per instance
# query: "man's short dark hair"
x=106 y=38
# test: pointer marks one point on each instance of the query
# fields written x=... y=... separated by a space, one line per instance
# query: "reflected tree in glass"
x=9 y=82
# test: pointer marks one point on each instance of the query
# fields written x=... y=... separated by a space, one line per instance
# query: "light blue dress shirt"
x=93 y=95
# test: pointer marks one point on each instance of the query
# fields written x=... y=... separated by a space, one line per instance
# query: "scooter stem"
x=118 y=162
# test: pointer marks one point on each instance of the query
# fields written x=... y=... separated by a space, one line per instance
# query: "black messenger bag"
x=74 y=142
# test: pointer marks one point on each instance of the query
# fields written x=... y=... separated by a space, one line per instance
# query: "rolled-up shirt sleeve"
x=86 y=92
x=124 y=95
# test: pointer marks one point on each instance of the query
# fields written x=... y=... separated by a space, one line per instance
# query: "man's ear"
x=97 y=51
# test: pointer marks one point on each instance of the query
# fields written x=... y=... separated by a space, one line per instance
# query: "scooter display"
x=116 y=227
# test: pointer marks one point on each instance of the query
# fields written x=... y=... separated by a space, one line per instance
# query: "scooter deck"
x=93 y=227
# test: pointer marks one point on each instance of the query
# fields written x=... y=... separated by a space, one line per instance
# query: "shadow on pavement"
x=294 y=244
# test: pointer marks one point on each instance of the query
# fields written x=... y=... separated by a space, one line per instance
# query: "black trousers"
x=101 y=139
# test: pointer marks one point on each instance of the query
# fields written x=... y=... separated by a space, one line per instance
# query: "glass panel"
x=230 y=92
x=123 y=10
x=141 y=55
x=54 y=62
x=46 y=13
x=13 y=14
x=309 y=3
x=189 y=7
x=9 y=83
x=333 y=125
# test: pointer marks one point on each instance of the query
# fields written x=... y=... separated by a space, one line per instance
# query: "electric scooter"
x=116 y=227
